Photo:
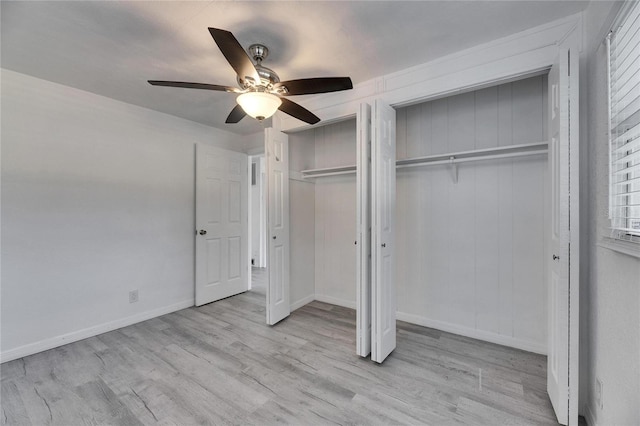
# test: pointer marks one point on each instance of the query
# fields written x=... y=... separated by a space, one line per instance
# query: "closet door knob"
x=384 y=244
x=203 y=232
x=274 y=237
x=556 y=257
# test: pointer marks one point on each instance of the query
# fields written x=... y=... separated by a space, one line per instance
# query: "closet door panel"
x=363 y=231
x=278 y=244
x=383 y=209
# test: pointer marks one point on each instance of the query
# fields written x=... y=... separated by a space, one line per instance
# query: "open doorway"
x=257 y=224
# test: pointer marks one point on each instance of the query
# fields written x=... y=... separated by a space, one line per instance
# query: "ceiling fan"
x=261 y=92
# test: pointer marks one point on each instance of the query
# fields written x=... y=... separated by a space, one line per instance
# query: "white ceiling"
x=113 y=48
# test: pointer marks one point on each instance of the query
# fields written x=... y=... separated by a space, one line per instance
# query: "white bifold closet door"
x=277 y=159
x=563 y=286
x=363 y=230
x=376 y=198
x=222 y=234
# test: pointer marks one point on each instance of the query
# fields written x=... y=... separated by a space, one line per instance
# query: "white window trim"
x=618 y=241
x=625 y=247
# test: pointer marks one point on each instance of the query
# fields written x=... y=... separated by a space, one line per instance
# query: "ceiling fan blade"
x=186 y=85
x=308 y=86
x=235 y=54
x=298 y=111
x=236 y=114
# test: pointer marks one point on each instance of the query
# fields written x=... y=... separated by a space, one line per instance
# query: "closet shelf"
x=328 y=171
x=452 y=159
x=476 y=155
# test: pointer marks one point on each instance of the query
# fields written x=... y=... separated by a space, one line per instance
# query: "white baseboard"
x=588 y=415
x=473 y=333
x=74 y=336
x=300 y=303
x=335 y=301
x=64 y=339
x=450 y=328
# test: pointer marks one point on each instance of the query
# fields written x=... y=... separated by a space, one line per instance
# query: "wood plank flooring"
x=220 y=364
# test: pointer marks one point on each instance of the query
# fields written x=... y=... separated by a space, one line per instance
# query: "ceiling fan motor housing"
x=258 y=52
x=268 y=77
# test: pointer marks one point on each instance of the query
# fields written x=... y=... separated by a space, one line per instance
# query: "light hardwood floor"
x=220 y=364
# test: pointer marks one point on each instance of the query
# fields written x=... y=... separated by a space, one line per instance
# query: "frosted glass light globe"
x=259 y=105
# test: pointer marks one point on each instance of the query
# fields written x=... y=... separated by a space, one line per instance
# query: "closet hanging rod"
x=484 y=153
x=455 y=160
x=509 y=151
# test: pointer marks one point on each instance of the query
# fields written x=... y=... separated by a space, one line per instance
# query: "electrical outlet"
x=133 y=296
x=599 y=396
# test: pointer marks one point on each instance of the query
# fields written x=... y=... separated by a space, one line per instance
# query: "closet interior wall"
x=302 y=219
x=471 y=255
x=334 y=204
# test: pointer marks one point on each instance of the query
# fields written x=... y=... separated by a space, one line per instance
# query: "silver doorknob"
x=274 y=237
x=203 y=232
x=384 y=244
x=556 y=257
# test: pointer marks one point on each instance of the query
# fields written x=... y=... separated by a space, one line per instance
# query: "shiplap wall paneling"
x=335 y=145
x=302 y=219
x=471 y=254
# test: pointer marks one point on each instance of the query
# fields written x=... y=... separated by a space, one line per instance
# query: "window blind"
x=624 y=112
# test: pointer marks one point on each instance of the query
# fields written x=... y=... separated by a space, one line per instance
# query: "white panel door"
x=562 y=359
x=222 y=234
x=383 y=211
x=277 y=158
x=363 y=237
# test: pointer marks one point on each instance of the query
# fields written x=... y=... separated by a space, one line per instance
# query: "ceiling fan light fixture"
x=261 y=91
x=259 y=105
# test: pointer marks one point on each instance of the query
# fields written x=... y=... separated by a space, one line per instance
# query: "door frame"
x=260 y=211
x=251 y=153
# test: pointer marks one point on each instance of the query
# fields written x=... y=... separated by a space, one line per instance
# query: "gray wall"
x=97 y=200
x=610 y=309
